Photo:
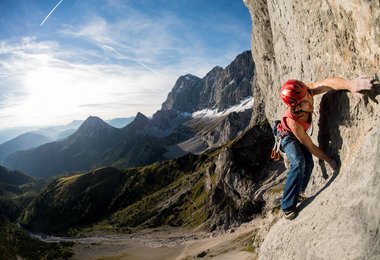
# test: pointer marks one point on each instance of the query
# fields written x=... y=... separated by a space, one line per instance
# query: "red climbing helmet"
x=293 y=91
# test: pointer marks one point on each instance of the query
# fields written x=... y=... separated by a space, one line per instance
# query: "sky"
x=64 y=60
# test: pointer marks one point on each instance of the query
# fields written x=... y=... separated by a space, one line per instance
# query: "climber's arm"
x=336 y=83
x=301 y=135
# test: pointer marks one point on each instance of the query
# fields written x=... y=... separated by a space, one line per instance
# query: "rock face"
x=184 y=96
x=240 y=170
x=220 y=88
x=311 y=41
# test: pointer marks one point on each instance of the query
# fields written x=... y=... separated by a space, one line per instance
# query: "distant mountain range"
x=56 y=132
x=22 y=142
x=198 y=114
x=45 y=135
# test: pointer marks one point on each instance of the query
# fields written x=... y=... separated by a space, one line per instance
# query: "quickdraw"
x=276 y=155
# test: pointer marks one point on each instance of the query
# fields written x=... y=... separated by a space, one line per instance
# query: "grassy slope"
x=173 y=192
x=168 y=192
x=16 y=242
x=16 y=192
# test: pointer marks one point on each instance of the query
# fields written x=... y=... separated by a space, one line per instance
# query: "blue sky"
x=108 y=58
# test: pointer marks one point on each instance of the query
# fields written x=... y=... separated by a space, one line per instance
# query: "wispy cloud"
x=151 y=42
x=49 y=87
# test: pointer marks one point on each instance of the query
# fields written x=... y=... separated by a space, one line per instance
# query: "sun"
x=50 y=93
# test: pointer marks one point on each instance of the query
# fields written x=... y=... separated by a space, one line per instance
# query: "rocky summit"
x=220 y=88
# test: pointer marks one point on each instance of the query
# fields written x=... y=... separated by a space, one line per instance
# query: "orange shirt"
x=283 y=127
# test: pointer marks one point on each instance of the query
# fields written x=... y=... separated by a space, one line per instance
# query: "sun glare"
x=51 y=93
x=57 y=91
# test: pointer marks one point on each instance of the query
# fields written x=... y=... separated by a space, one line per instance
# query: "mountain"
x=92 y=127
x=182 y=127
x=16 y=191
x=22 y=142
x=184 y=96
x=173 y=131
x=86 y=148
x=10 y=133
x=13 y=178
x=220 y=88
x=188 y=191
x=57 y=132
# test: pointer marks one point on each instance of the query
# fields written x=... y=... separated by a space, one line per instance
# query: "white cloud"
x=51 y=89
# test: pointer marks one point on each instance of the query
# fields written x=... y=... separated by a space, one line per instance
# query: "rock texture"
x=184 y=96
x=238 y=175
x=220 y=88
x=311 y=41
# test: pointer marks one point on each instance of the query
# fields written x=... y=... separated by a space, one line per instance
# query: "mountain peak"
x=91 y=124
x=140 y=121
x=184 y=95
x=140 y=116
x=214 y=72
x=94 y=121
x=189 y=77
x=221 y=88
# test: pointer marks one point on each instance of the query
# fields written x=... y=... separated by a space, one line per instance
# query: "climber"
x=293 y=131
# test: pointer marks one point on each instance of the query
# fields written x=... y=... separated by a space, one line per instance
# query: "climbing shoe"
x=301 y=197
x=290 y=213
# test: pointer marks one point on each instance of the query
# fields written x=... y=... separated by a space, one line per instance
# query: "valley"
x=163 y=243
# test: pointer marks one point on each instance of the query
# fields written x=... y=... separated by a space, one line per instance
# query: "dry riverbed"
x=165 y=243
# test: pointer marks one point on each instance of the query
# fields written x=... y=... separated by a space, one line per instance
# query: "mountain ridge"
x=145 y=140
x=171 y=192
x=22 y=142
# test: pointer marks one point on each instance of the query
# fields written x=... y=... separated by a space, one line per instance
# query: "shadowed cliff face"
x=311 y=41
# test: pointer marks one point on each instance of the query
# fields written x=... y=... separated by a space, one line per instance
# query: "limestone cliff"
x=312 y=40
x=220 y=88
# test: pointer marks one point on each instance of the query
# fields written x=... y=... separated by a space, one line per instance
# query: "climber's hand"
x=333 y=165
x=360 y=83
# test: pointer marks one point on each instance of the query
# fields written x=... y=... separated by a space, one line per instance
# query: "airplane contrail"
x=51 y=12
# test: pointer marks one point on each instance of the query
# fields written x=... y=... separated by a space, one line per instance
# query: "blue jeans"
x=301 y=166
